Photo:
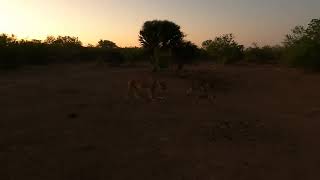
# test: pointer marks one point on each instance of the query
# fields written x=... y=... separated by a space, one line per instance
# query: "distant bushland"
x=15 y=53
x=163 y=43
x=263 y=55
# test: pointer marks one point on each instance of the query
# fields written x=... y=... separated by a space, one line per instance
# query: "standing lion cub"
x=147 y=88
x=201 y=89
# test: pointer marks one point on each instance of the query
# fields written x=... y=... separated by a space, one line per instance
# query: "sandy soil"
x=73 y=122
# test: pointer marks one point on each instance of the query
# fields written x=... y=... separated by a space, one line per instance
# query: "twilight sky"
x=262 y=21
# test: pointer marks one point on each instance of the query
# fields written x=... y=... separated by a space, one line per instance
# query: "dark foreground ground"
x=72 y=122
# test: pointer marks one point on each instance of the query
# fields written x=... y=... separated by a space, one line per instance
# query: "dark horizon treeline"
x=301 y=48
x=15 y=53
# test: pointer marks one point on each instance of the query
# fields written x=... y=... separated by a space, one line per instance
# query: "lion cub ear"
x=163 y=84
x=189 y=91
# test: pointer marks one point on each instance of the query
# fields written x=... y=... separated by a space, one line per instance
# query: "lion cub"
x=201 y=89
x=146 y=88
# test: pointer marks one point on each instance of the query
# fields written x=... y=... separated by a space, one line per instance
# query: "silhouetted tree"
x=300 y=34
x=206 y=44
x=303 y=44
x=185 y=53
x=106 y=44
x=50 y=40
x=313 y=30
x=224 y=48
x=6 y=40
x=90 y=46
x=157 y=35
x=66 y=42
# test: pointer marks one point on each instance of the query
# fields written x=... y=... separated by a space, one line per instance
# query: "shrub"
x=224 y=49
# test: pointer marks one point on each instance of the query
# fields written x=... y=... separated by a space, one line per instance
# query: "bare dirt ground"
x=73 y=122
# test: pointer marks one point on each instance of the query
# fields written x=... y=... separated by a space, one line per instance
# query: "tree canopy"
x=303 y=44
x=160 y=34
x=64 y=41
x=106 y=44
x=224 y=48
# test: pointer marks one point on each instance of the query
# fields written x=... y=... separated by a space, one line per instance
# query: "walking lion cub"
x=147 y=88
x=201 y=89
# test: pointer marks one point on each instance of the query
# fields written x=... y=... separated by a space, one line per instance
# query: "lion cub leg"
x=132 y=90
